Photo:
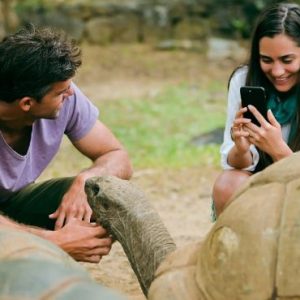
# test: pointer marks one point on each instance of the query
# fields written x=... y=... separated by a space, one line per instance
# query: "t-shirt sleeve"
x=234 y=104
x=82 y=115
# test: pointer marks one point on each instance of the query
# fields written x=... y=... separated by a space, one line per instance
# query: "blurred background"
x=158 y=71
x=106 y=21
x=164 y=63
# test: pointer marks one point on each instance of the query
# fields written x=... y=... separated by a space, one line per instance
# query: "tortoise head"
x=104 y=200
x=112 y=199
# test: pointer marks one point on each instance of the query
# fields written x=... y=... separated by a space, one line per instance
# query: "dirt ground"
x=182 y=198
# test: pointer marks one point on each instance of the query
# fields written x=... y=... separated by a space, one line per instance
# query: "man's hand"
x=73 y=205
x=83 y=241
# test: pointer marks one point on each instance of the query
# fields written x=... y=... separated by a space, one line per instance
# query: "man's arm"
x=108 y=155
x=81 y=240
x=109 y=158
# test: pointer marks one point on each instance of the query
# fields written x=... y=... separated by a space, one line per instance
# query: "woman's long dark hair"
x=282 y=18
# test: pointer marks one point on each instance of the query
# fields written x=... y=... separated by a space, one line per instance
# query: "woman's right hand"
x=239 y=136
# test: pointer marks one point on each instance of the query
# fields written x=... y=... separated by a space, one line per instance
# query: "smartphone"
x=256 y=96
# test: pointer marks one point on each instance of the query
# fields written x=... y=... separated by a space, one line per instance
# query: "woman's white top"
x=233 y=105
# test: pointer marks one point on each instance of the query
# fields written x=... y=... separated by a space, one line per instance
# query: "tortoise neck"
x=145 y=241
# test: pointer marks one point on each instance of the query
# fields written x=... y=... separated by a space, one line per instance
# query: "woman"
x=274 y=64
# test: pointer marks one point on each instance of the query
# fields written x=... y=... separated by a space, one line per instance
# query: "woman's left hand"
x=267 y=137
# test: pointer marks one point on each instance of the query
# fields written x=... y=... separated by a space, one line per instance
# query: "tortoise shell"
x=33 y=268
x=253 y=250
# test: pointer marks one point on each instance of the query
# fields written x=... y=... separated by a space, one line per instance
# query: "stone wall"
x=108 y=21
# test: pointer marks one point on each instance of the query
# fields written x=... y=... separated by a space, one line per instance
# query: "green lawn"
x=157 y=131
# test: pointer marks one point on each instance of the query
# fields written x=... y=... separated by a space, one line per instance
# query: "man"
x=39 y=103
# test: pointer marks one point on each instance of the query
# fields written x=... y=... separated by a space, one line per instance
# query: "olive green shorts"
x=33 y=204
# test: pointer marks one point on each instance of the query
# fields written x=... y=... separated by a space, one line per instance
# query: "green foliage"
x=32 y=5
x=157 y=131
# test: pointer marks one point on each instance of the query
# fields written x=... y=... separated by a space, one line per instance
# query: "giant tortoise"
x=251 y=253
x=32 y=268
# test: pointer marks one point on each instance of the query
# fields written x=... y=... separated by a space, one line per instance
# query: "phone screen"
x=256 y=96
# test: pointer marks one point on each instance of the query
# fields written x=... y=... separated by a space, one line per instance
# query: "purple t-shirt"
x=77 y=116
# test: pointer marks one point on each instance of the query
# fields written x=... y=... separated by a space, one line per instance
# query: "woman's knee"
x=225 y=186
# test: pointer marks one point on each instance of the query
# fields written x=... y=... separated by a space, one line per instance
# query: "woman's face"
x=280 y=61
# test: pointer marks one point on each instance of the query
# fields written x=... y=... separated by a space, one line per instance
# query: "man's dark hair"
x=33 y=59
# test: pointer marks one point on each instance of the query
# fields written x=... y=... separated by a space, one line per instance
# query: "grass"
x=157 y=131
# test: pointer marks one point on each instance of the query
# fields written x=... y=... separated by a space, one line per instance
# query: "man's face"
x=51 y=104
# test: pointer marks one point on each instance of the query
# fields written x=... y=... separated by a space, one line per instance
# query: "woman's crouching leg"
x=225 y=186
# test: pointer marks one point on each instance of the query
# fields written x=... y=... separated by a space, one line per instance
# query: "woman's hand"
x=238 y=133
x=267 y=137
